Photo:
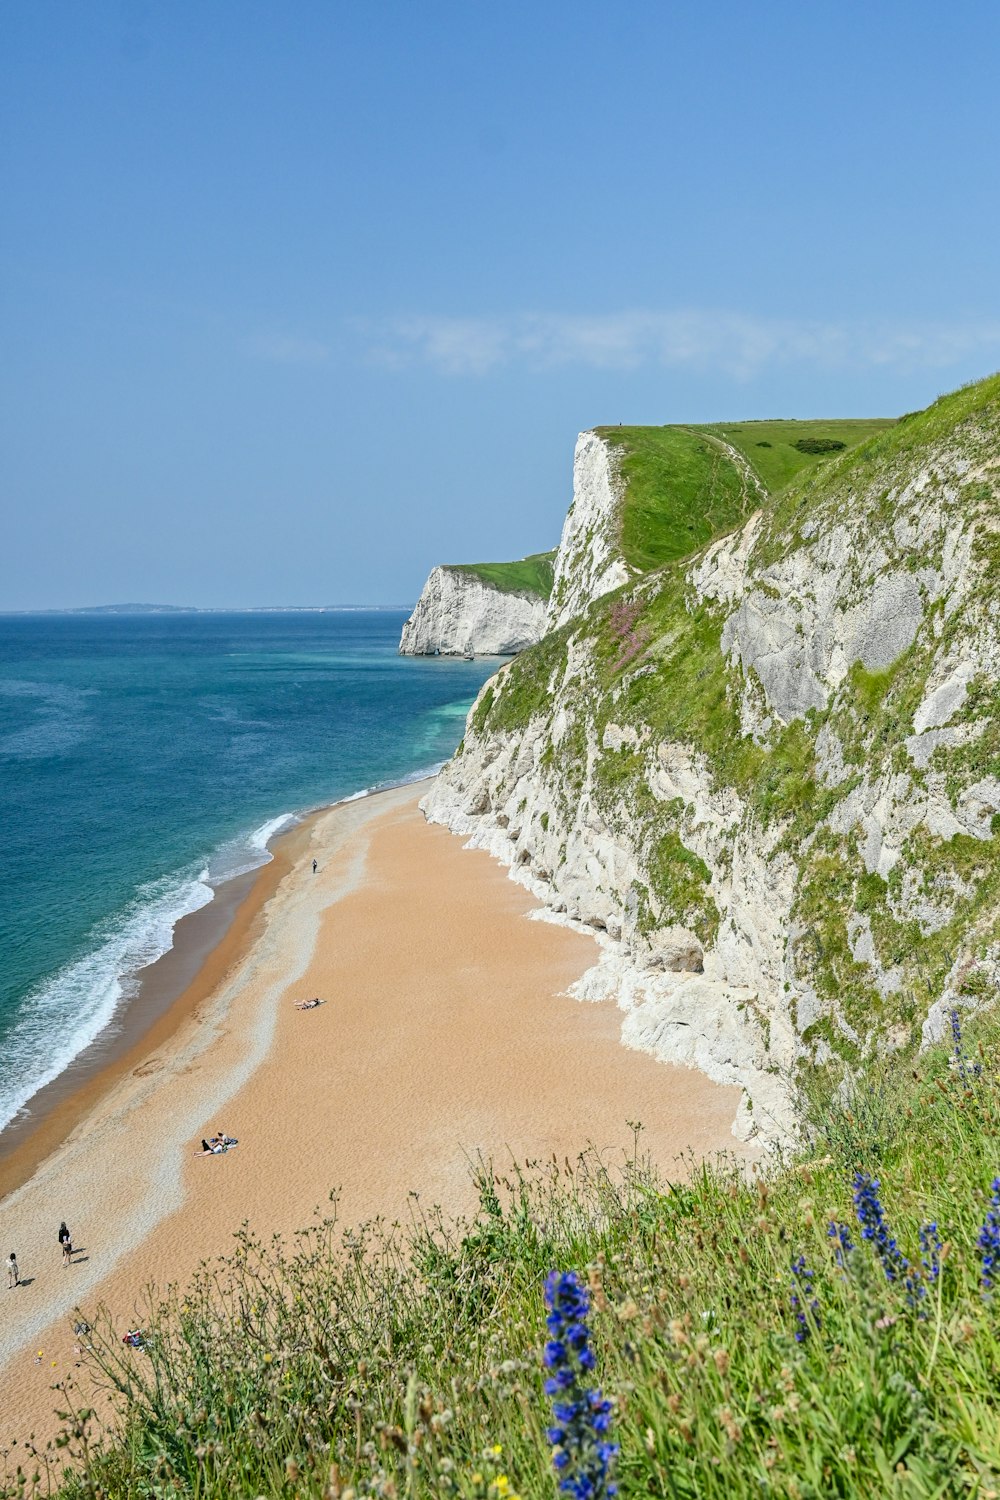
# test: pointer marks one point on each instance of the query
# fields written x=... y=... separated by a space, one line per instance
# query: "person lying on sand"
x=308 y=1004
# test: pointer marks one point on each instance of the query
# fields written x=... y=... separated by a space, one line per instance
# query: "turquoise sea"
x=144 y=759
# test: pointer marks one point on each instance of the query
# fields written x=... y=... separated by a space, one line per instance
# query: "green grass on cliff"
x=530 y=575
x=971 y=415
x=746 y=1351
x=771 y=447
x=682 y=487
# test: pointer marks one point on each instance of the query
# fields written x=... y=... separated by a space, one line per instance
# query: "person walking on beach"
x=13 y=1274
x=315 y=865
x=66 y=1243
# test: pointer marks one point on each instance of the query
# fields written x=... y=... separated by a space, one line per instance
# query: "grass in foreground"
x=746 y=1348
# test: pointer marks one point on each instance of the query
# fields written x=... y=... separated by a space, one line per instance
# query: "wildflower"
x=582 y=1456
x=844 y=1246
x=930 y=1250
x=875 y=1229
x=989 y=1240
x=803 y=1298
x=968 y=1072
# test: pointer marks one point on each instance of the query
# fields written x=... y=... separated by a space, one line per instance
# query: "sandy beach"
x=445 y=1029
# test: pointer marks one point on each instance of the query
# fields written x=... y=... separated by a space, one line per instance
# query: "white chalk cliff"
x=768 y=777
x=589 y=561
x=458 y=612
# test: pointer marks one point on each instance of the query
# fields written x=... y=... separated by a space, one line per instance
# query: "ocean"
x=145 y=759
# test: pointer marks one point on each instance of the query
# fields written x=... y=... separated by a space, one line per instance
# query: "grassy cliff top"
x=685 y=485
x=529 y=575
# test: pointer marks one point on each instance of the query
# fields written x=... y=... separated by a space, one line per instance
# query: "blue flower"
x=875 y=1228
x=802 y=1298
x=967 y=1072
x=844 y=1246
x=581 y=1457
x=989 y=1240
x=930 y=1250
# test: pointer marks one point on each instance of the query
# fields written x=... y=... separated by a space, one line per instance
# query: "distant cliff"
x=491 y=609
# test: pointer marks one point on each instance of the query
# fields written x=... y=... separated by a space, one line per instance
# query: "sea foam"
x=67 y=1011
x=239 y=856
x=63 y=1015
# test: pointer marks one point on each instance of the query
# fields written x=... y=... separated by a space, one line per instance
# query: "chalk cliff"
x=589 y=560
x=767 y=775
x=460 y=611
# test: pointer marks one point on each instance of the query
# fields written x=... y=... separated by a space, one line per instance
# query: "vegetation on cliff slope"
x=829 y=1329
x=781 y=450
x=682 y=487
x=529 y=575
x=648 y=661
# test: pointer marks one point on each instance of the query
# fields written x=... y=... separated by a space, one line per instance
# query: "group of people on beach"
x=219 y=1143
x=65 y=1245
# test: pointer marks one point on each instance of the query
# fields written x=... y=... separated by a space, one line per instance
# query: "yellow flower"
x=268 y=1358
x=497 y=1449
x=502 y=1484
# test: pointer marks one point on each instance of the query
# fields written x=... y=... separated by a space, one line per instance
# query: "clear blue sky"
x=298 y=300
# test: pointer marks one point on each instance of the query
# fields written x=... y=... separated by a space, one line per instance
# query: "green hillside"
x=529 y=575
x=682 y=487
x=779 y=451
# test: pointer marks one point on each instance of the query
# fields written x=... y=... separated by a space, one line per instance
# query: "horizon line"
x=200 y=609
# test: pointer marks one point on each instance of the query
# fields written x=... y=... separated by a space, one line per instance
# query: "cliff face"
x=458 y=612
x=768 y=776
x=589 y=562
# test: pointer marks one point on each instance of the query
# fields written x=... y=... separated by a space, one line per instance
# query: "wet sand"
x=205 y=945
x=445 y=1030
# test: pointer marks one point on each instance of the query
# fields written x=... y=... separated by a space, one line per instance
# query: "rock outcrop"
x=458 y=611
x=768 y=777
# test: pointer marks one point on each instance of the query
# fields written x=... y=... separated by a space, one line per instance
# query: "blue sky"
x=296 y=301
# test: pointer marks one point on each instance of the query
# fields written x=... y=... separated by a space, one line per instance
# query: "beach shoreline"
x=205 y=944
x=447 y=1030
